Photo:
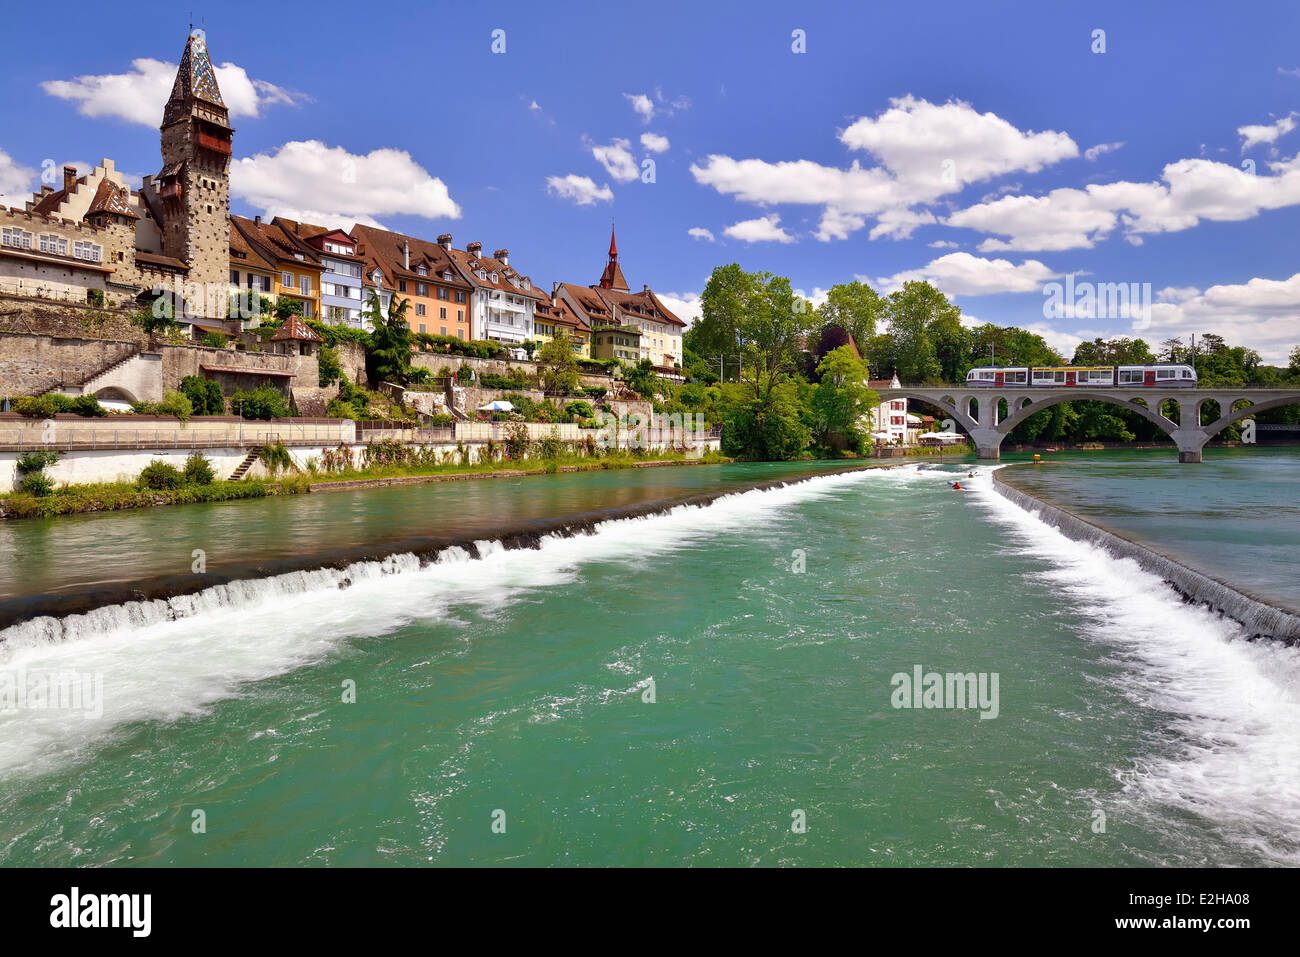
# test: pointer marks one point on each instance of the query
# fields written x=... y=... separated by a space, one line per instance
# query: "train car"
x=1164 y=374
x=998 y=376
x=1072 y=376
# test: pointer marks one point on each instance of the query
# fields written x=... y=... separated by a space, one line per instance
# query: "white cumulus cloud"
x=961 y=274
x=923 y=152
x=617 y=159
x=16 y=181
x=699 y=232
x=326 y=184
x=138 y=96
x=654 y=142
x=765 y=229
x=581 y=190
x=1092 y=152
x=1266 y=133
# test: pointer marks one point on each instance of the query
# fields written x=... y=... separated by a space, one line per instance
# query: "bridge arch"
x=1221 y=423
x=945 y=404
x=1056 y=398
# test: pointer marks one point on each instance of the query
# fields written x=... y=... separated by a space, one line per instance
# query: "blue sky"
x=985 y=146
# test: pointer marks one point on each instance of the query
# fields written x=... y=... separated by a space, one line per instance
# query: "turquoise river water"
x=683 y=688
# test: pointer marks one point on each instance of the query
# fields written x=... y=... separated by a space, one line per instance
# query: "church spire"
x=612 y=277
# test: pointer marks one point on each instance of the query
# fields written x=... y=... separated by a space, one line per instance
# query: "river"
x=711 y=686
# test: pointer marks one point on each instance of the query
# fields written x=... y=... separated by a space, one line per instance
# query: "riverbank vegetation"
x=161 y=483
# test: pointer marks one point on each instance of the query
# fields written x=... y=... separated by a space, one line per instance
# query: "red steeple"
x=612 y=277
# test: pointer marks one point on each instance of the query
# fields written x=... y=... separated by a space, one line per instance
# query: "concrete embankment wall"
x=1261 y=618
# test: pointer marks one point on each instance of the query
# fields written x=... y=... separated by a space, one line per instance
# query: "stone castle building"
x=97 y=240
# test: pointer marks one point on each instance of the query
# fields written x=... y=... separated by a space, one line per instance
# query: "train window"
x=1164 y=373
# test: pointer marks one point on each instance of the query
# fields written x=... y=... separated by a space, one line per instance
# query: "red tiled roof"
x=110 y=199
x=296 y=328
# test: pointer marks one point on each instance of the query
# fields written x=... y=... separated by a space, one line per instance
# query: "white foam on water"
x=1233 y=763
x=165 y=660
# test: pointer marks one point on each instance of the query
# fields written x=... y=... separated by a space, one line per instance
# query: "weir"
x=53 y=617
x=1262 y=619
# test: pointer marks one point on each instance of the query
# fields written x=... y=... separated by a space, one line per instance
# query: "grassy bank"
x=118 y=496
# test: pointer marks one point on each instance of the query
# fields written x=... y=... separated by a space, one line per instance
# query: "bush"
x=214 y=340
x=160 y=476
x=37 y=484
x=515 y=447
x=198 y=470
x=275 y=457
x=264 y=402
x=441 y=420
x=204 y=395
x=550 y=446
x=579 y=410
x=173 y=403
x=30 y=462
x=38 y=406
x=95 y=297
x=88 y=406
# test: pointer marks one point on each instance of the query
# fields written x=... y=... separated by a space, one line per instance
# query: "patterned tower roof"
x=195 y=79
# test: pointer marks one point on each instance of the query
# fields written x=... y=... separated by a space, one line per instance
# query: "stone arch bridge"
x=979 y=413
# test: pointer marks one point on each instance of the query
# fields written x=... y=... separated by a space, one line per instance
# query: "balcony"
x=214 y=143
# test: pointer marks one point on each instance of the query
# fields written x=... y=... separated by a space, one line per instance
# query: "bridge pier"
x=1189 y=456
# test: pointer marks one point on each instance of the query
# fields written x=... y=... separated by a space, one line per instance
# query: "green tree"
x=841 y=400
x=727 y=297
x=856 y=308
x=912 y=311
x=641 y=378
x=389 y=356
x=286 y=306
x=557 y=366
x=767 y=429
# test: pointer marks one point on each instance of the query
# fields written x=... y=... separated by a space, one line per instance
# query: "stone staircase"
x=245 y=465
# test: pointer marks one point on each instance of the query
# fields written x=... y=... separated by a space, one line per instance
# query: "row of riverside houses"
x=98 y=240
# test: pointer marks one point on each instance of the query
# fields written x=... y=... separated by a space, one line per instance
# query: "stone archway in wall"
x=113 y=393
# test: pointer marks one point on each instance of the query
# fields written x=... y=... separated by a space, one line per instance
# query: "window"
x=460 y=296
x=401 y=285
x=287 y=280
x=16 y=237
x=460 y=315
x=421 y=289
x=1164 y=373
x=460 y=333
x=54 y=244
x=446 y=274
x=419 y=309
x=422 y=329
x=86 y=250
x=234 y=277
x=422 y=269
x=304 y=285
x=442 y=330
x=442 y=312
x=443 y=293
x=260 y=283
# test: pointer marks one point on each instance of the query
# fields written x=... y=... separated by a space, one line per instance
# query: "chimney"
x=474 y=249
x=503 y=255
x=445 y=240
x=257 y=220
x=46 y=190
x=644 y=287
x=69 y=176
x=406 y=253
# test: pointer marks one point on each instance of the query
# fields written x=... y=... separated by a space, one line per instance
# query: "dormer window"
x=482 y=274
x=422 y=269
x=299 y=256
x=446 y=274
x=494 y=277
